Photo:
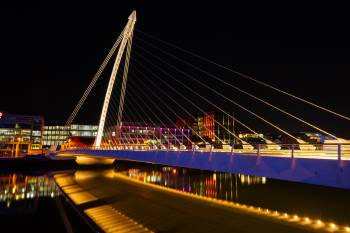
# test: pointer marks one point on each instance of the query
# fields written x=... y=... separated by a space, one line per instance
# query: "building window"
x=36 y=133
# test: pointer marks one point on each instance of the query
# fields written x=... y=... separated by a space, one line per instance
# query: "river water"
x=317 y=202
x=30 y=202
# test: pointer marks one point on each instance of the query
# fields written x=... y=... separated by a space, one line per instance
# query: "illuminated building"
x=217 y=128
x=253 y=139
x=206 y=124
x=20 y=134
x=131 y=133
x=54 y=135
x=78 y=142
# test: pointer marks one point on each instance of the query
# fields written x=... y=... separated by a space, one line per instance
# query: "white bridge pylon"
x=127 y=40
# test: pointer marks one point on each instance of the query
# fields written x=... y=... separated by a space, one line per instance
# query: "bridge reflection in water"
x=217 y=185
x=160 y=198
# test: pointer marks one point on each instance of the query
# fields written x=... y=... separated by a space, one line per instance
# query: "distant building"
x=54 y=135
x=78 y=142
x=132 y=133
x=20 y=134
x=212 y=127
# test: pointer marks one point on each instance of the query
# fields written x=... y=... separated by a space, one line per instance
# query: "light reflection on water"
x=313 y=201
x=16 y=188
x=216 y=185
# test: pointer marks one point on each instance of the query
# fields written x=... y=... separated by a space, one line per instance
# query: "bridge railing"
x=324 y=151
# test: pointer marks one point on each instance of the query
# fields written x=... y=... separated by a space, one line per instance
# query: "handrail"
x=301 y=150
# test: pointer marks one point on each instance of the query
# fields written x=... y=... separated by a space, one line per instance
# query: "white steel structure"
x=126 y=39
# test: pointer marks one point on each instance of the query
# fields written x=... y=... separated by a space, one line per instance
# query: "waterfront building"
x=54 y=135
x=20 y=134
x=130 y=133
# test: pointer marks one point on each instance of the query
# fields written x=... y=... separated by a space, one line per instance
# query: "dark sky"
x=48 y=57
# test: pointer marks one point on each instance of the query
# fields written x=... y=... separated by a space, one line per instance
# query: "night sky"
x=48 y=57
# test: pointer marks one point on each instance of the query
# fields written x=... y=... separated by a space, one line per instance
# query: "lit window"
x=36 y=133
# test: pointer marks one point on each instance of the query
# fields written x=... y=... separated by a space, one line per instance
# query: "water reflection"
x=19 y=188
x=216 y=185
x=311 y=201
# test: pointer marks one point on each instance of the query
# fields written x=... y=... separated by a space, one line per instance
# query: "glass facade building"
x=20 y=134
x=54 y=135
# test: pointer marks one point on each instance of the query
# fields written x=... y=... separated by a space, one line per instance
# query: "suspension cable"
x=179 y=105
x=218 y=93
x=239 y=74
x=147 y=106
x=94 y=80
x=159 y=109
x=196 y=93
x=242 y=91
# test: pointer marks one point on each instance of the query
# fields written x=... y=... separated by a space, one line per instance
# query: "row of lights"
x=304 y=221
x=291 y=218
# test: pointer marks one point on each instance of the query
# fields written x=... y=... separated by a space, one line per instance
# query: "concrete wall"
x=325 y=172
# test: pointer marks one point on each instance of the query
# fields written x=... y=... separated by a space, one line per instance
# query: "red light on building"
x=208 y=124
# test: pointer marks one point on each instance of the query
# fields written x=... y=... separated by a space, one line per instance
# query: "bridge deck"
x=312 y=169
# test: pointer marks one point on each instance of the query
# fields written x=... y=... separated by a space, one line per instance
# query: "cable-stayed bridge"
x=157 y=90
